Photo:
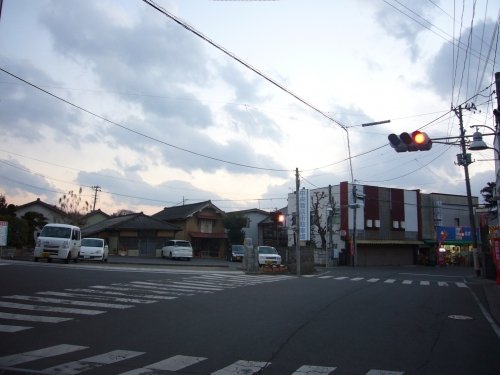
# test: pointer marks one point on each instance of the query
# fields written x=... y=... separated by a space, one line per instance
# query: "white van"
x=58 y=241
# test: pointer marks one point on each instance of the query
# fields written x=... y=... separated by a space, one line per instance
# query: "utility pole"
x=96 y=189
x=354 y=249
x=297 y=221
x=465 y=160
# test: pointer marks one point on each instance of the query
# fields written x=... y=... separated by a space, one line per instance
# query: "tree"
x=6 y=209
x=73 y=205
x=317 y=221
x=234 y=223
x=488 y=193
x=36 y=221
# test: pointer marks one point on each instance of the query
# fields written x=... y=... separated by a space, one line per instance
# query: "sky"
x=222 y=100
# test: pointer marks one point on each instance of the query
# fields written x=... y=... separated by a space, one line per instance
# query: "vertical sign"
x=4 y=226
x=304 y=215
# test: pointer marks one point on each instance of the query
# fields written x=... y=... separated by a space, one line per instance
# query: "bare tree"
x=74 y=206
x=319 y=225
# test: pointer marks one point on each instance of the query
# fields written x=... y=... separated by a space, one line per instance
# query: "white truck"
x=58 y=241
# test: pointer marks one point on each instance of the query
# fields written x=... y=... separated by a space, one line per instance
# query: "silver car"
x=268 y=256
x=94 y=249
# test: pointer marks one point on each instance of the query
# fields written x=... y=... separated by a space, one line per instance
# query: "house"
x=253 y=229
x=133 y=234
x=50 y=212
x=94 y=217
x=372 y=225
x=200 y=223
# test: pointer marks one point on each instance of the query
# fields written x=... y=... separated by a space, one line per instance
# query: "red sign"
x=495 y=253
x=495 y=249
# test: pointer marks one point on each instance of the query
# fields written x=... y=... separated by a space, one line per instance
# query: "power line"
x=139 y=133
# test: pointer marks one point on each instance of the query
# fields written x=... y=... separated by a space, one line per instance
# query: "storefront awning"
x=207 y=235
x=390 y=242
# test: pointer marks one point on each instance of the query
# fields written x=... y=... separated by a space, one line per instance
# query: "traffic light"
x=278 y=217
x=417 y=141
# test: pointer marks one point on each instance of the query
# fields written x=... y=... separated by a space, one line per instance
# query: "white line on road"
x=11 y=329
x=76 y=367
x=390 y=281
x=67 y=310
x=174 y=363
x=357 y=279
x=101 y=298
x=33 y=318
x=341 y=278
x=51 y=351
x=242 y=367
x=313 y=370
x=425 y=283
x=372 y=280
x=407 y=282
x=461 y=285
x=442 y=283
x=69 y=302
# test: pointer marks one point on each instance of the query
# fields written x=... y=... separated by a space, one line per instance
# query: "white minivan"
x=58 y=241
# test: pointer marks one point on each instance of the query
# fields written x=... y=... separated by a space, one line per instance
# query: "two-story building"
x=200 y=223
x=371 y=225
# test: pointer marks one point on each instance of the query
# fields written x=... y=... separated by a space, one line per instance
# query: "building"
x=367 y=225
x=51 y=213
x=200 y=223
x=133 y=234
x=253 y=229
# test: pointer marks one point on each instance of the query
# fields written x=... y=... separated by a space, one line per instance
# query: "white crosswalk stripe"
x=242 y=367
x=94 y=362
x=52 y=351
x=374 y=280
x=174 y=363
x=12 y=328
x=98 y=299
x=314 y=370
x=171 y=364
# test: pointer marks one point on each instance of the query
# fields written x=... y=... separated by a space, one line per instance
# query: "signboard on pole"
x=4 y=226
x=304 y=215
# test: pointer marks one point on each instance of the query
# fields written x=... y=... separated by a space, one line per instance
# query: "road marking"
x=76 y=367
x=174 y=363
x=67 y=310
x=407 y=282
x=325 y=277
x=192 y=285
x=33 y=318
x=102 y=298
x=51 y=351
x=69 y=302
x=242 y=367
x=372 y=280
x=425 y=283
x=313 y=370
x=341 y=278
x=442 y=283
x=461 y=285
x=384 y=372
x=308 y=275
x=390 y=281
x=357 y=279
x=100 y=292
x=11 y=329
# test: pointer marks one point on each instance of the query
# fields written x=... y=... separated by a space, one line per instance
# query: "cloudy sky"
x=116 y=94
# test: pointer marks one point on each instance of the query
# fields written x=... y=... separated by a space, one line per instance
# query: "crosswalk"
x=373 y=280
x=26 y=362
x=58 y=306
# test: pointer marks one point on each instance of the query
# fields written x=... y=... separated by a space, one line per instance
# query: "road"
x=72 y=319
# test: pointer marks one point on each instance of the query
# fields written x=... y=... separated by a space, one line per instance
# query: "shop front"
x=453 y=246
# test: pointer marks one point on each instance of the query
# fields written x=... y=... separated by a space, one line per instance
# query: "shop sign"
x=461 y=234
x=4 y=226
x=495 y=251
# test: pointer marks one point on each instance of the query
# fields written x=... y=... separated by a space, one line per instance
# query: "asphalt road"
x=187 y=321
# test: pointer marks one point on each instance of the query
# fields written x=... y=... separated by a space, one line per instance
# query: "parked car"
x=94 y=249
x=236 y=253
x=177 y=249
x=58 y=241
x=268 y=255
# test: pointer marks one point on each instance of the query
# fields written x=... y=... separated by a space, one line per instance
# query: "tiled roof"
x=184 y=211
x=131 y=222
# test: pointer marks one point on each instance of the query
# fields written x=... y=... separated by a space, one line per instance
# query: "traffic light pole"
x=475 y=251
